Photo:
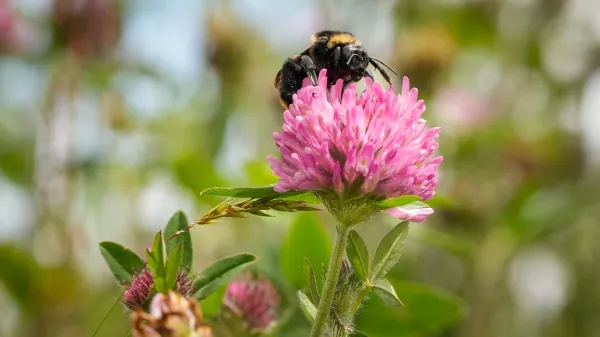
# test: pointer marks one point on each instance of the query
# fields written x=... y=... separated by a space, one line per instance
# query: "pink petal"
x=414 y=215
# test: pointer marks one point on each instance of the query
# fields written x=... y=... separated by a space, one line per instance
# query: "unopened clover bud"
x=142 y=288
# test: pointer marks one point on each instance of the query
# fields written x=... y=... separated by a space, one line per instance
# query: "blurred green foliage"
x=306 y=239
x=117 y=114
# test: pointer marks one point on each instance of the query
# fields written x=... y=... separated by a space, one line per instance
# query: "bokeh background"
x=116 y=114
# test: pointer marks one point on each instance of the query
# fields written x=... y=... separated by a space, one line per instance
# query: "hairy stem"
x=331 y=279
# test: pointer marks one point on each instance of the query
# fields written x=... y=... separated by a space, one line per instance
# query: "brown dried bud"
x=170 y=315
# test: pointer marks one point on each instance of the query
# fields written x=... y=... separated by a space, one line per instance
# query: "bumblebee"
x=340 y=53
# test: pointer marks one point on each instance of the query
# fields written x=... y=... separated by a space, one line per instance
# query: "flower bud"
x=142 y=285
x=142 y=288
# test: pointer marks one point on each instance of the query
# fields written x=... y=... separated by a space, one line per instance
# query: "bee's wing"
x=277 y=79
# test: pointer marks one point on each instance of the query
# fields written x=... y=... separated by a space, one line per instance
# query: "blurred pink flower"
x=142 y=287
x=8 y=22
x=17 y=35
x=254 y=300
x=372 y=144
x=461 y=110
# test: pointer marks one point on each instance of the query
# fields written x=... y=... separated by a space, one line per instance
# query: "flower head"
x=170 y=315
x=254 y=300
x=142 y=287
x=370 y=145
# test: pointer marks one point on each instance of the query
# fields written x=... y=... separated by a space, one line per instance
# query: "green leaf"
x=248 y=192
x=358 y=255
x=306 y=238
x=426 y=312
x=179 y=222
x=308 y=308
x=172 y=268
x=312 y=283
x=396 y=202
x=220 y=272
x=16 y=146
x=122 y=262
x=156 y=263
x=211 y=305
x=21 y=278
x=389 y=251
x=384 y=289
x=308 y=197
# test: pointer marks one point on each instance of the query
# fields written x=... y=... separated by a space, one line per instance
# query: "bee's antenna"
x=350 y=59
x=374 y=59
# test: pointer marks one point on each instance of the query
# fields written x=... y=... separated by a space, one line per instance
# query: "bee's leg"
x=292 y=74
x=294 y=64
x=337 y=54
x=383 y=72
x=311 y=69
x=369 y=74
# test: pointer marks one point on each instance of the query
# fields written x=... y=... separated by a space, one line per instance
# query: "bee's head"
x=356 y=60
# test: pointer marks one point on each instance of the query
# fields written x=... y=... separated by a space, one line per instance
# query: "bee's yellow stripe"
x=341 y=39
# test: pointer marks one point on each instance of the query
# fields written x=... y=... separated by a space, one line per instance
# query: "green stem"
x=361 y=296
x=108 y=314
x=331 y=279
